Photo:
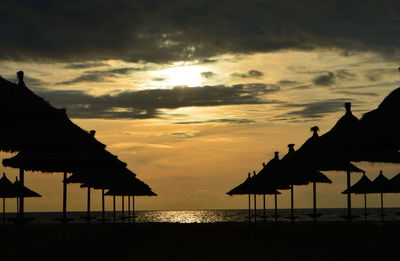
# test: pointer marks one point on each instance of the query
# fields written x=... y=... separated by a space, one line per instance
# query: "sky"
x=193 y=95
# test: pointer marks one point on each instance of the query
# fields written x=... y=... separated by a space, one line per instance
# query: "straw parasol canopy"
x=363 y=186
x=7 y=189
x=22 y=191
x=31 y=122
x=394 y=184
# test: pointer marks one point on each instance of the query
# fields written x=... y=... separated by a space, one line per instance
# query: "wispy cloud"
x=146 y=103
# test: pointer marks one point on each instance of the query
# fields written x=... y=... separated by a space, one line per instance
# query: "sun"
x=181 y=76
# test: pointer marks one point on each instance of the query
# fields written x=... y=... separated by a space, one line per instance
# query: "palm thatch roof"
x=65 y=161
x=394 y=184
x=22 y=191
x=135 y=187
x=249 y=186
x=362 y=186
x=316 y=154
x=381 y=126
x=30 y=122
x=380 y=184
x=7 y=188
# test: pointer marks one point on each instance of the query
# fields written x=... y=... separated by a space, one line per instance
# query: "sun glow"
x=181 y=76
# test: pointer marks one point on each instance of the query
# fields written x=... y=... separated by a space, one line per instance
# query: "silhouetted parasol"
x=32 y=123
x=380 y=185
x=134 y=187
x=334 y=150
x=292 y=172
x=7 y=190
x=363 y=186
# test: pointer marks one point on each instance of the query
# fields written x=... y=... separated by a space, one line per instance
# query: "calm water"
x=218 y=216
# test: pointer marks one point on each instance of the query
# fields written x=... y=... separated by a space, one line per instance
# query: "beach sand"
x=226 y=241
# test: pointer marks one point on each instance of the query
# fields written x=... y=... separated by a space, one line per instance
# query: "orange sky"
x=195 y=96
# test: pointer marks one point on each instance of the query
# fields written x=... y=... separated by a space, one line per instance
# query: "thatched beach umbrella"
x=7 y=190
x=32 y=123
x=293 y=173
x=334 y=150
x=243 y=189
x=133 y=188
x=22 y=191
x=380 y=185
x=50 y=159
x=363 y=186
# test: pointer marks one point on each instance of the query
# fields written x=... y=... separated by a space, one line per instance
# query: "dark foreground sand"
x=330 y=241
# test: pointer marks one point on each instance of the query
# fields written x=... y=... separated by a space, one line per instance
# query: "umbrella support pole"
x=114 y=208
x=21 y=198
x=365 y=207
x=255 y=208
x=4 y=211
x=315 y=202
x=382 y=208
x=88 y=205
x=276 y=208
x=264 y=217
x=123 y=209
x=64 y=214
x=348 y=198
x=292 y=203
x=129 y=209
x=249 y=209
x=133 y=209
x=103 y=214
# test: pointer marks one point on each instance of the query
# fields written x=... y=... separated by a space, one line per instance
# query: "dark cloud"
x=238 y=121
x=165 y=31
x=314 y=110
x=372 y=94
x=85 y=65
x=159 y=79
x=325 y=79
x=146 y=103
x=102 y=75
x=287 y=83
x=208 y=75
x=249 y=74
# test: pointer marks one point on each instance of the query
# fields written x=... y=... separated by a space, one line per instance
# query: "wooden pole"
x=133 y=209
x=249 y=209
x=129 y=209
x=103 y=213
x=348 y=198
x=123 y=209
x=114 y=208
x=276 y=208
x=255 y=208
x=315 y=202
x=64 y=214
x=88 y=204
x=21 y=196
x=365 y=207
x=292 y=203
x=382 y=207
x=4 y=211
x=264 y=217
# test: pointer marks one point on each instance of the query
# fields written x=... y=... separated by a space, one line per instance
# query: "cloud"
x=238 y=121
x=102 y=75
x=249 y=74
x=314 y=110
x=163 y=31
x=147 y=103
x=325 y=79
x=85 y=65
x=208 y=75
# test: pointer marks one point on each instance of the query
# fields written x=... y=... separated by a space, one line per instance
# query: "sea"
x=217 y=216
